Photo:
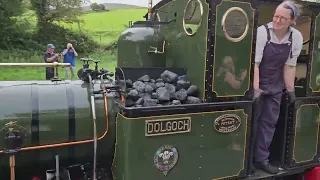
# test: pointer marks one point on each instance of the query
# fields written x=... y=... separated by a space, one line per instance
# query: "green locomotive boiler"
x=168 y=113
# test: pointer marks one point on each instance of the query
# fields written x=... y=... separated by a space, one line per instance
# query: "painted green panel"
x=15 y=106
x=53 y=115
x=306 y=133
x=315 y=64
x=165 y=12
x=135 y=44
x=230 y=57
x=189 y=52
x=83 y=114
x=204 y=151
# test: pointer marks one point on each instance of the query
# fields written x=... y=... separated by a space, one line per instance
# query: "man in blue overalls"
x=277 y=49
x=69 y=57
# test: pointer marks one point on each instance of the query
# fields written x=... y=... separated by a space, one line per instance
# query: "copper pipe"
x=122 y=99
x=149 y=10
x=12 y=165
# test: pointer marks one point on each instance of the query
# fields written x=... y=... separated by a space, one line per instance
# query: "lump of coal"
x=139 y=86
x=182 y=84
x=167 y=90
x=176 y=102
x=133 y=94
x=160 y=84
x=140 y=101
x=152 y=84
x=192 y=90
x=145 y=96
x=171 y=88
x=154 y=95
x=150 y=102
x=181 y=95
x=183 y=78
x=159 y=80
x=163 y=94
x=148 y=88
x=129 y=102
x=193 y=100
x=169 y=76
x=144 y=78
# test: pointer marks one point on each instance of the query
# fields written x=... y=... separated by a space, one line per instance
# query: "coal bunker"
x=168 y=89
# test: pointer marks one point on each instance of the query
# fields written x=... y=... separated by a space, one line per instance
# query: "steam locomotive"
x=144 y=121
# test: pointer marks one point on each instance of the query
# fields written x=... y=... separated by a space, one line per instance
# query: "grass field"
x=104 y=27
x=107 y=62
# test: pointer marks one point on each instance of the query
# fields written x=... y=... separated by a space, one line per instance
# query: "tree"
x=8 y=9
x=57 y=10
x=97 y=7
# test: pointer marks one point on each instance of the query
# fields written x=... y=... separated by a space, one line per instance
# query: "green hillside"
x=112 y=6
x=104 y=27
x=109 y=24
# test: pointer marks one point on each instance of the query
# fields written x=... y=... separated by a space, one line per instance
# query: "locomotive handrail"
x=35 y=64
x=155 y=49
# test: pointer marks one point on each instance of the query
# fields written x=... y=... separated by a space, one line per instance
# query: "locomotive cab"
x=171 y=109
x=208 y=38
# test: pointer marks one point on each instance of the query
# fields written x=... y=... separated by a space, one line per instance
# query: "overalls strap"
x=290 y=40
x=268 y=33
x=269 y=37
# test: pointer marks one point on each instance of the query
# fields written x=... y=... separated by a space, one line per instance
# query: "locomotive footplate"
x=259 y=174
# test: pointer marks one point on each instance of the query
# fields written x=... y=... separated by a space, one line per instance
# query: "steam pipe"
x=94 y=128
x=57 y=168
x=149 y=10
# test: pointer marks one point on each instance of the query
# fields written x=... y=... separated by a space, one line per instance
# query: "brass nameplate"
x=168 y=126
x=227 y=123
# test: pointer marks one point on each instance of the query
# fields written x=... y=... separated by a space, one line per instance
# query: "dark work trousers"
x=271 y=81
x=49 y=73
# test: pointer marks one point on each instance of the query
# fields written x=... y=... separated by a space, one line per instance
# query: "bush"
x=59 y=36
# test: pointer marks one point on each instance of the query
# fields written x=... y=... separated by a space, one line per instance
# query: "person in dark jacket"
x=49 y=57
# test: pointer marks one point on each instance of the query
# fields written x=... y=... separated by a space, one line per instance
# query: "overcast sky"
x=142 y=3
